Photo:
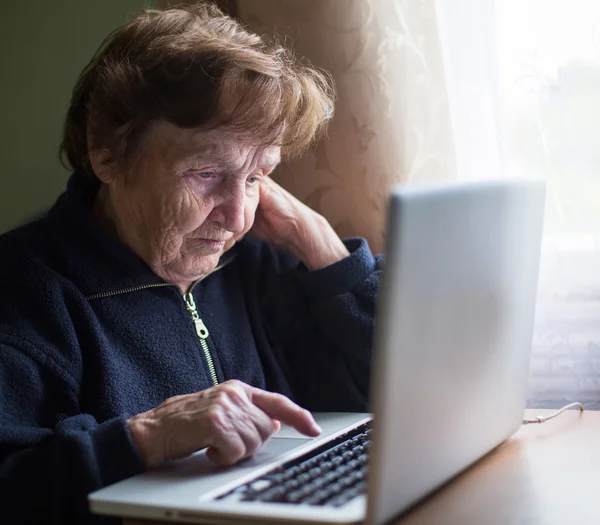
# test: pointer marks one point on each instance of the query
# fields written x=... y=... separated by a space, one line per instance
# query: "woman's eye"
x=200 y=174
x=254 y=179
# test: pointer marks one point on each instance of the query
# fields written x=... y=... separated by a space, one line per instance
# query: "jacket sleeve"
x=324 y=322
x=51 y=456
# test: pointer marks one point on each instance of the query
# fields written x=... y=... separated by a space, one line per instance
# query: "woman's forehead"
x=219 y=145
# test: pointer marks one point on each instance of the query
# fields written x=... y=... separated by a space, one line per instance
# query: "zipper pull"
x=190 y=304
x=201 y=329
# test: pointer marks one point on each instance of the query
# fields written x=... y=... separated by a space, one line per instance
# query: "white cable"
x=542 y=419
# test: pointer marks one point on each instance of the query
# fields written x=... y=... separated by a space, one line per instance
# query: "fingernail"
x=317 y=428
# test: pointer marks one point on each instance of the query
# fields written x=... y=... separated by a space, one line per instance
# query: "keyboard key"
x=291 y=485
x=260 y=484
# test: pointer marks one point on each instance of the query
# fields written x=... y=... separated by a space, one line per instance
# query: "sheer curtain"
x=549 y=80
x=523 y=79
x=432 y=91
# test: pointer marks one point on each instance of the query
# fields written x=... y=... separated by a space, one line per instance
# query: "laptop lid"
x=454 y=332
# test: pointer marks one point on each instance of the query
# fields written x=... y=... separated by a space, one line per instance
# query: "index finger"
x=279 y=407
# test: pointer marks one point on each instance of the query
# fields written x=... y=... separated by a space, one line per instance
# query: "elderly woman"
x=175 y=298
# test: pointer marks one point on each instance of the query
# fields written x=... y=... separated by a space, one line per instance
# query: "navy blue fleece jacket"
x=90 y=336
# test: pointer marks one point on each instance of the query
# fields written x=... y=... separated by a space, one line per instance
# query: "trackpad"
x=199 y=465
x=272 y=449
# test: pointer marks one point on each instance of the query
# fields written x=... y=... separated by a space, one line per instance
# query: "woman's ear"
x=102 y=162
x=103 y=165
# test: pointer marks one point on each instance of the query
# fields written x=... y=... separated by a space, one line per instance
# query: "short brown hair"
x=193 y=67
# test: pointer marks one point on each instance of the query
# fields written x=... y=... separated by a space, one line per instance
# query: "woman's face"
x=187 y=199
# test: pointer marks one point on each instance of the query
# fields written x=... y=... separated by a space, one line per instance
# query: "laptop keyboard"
x=333 y=474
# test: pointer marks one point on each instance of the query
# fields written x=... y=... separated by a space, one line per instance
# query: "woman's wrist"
x=317 y=245
x=141 y=430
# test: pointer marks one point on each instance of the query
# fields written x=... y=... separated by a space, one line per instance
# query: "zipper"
x=202 y=333
x=110 y=293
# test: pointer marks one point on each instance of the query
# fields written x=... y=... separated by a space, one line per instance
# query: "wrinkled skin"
x=185 y=198
x=187 y=189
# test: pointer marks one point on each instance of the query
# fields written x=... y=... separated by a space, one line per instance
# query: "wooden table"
x=546 y=474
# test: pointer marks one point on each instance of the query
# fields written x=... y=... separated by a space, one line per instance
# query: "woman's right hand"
x=233 y=420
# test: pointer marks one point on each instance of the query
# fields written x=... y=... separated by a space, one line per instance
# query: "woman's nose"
x=229 y=213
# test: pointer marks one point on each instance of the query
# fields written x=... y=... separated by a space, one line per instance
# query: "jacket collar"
x=94 y=261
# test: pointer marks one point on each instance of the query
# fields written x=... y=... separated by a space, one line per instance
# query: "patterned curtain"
x=392 y=122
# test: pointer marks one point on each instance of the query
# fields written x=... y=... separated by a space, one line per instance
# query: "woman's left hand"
x=290 y=225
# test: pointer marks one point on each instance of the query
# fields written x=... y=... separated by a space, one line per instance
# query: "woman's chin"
x=203 y=265
x=198 y=260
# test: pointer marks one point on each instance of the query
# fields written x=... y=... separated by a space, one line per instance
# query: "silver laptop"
x=454 y=329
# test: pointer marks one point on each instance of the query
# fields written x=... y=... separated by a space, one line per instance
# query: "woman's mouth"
x=212 y=243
